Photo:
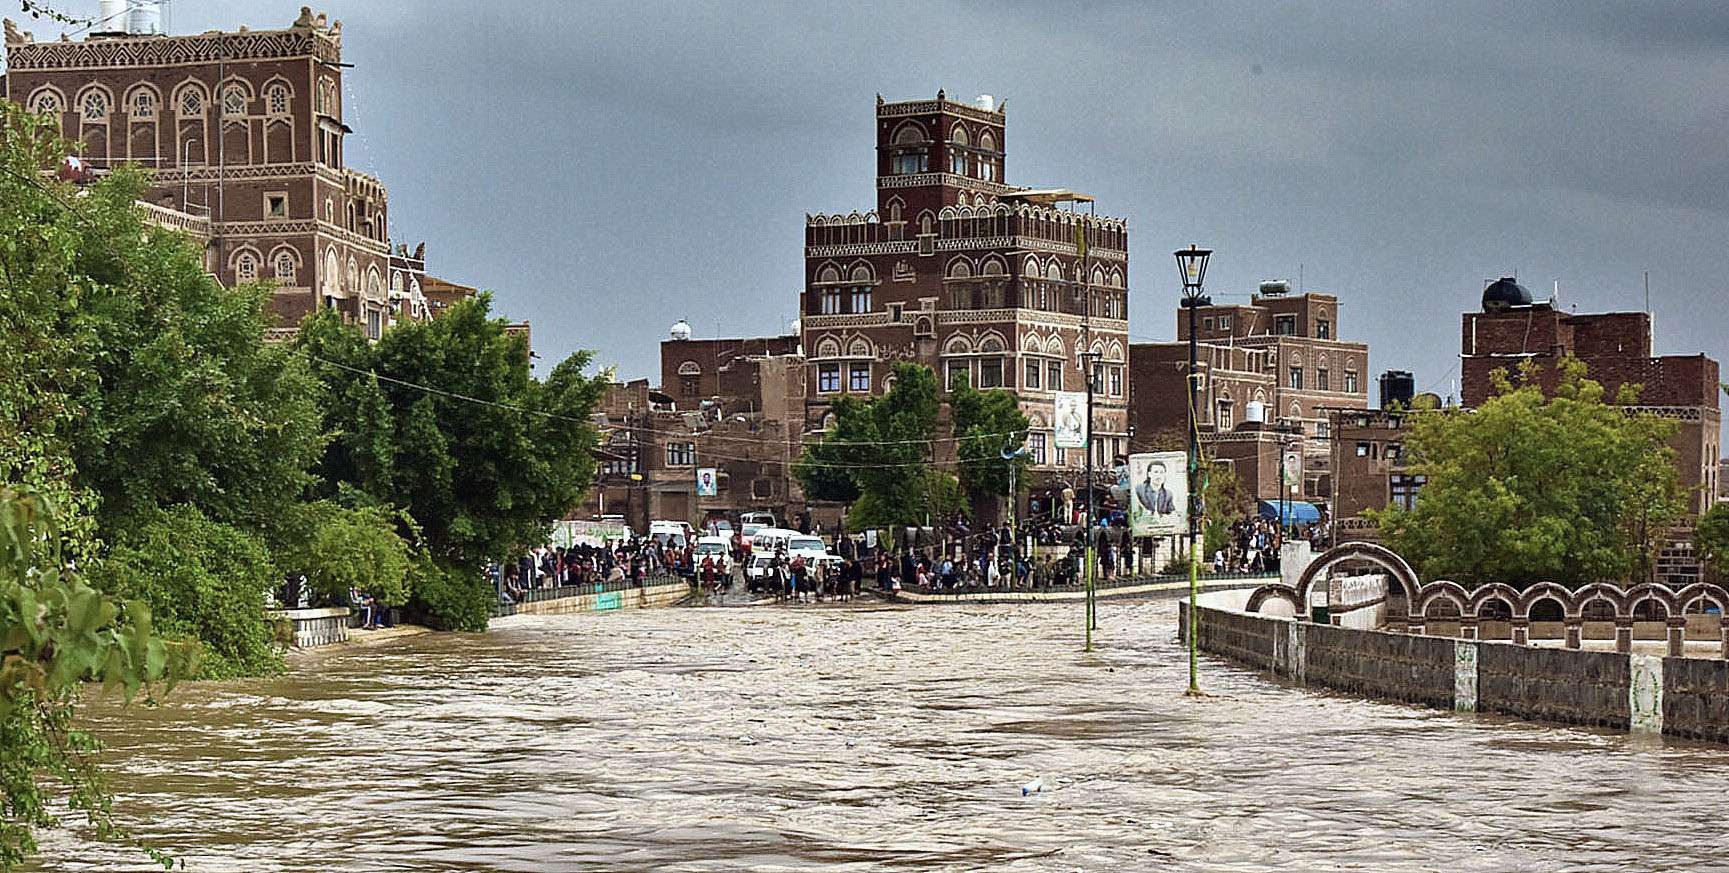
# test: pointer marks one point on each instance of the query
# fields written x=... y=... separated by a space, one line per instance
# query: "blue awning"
x=1296 y=511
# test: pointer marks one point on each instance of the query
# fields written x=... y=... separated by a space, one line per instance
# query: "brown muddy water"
x=869 y=738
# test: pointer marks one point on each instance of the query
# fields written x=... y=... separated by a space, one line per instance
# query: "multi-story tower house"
x=243 y=127
x=960 y=271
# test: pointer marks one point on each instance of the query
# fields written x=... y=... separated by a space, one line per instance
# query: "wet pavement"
x=869 y=737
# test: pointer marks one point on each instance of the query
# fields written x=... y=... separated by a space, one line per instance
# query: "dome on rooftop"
x=1504 y=293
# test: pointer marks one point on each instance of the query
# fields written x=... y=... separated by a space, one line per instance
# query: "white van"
x=662 y=531
x=771 y=539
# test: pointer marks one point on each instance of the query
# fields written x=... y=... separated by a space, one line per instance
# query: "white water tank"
x=987 y=102
x=681 y=330
x=1256 y=412
x=146 y=17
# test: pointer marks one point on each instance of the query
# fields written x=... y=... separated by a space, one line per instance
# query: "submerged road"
x=866 y=737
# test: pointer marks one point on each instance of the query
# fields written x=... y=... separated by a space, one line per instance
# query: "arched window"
x=396 y=283
x=285 y=267
x=246 y=266
x=960 y=269
x=332 y=271
x=94 y=107
x=352 y=278
x=46 y=102
x=909 y=134
x=374 y=284
x=233 y=100
x=191 y=101
x=959 y=135
x=143 y=103
x=276 y=99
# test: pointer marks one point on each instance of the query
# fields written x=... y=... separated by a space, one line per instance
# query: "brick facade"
x=244 y=128
x=1616 y=348
x=961 y=272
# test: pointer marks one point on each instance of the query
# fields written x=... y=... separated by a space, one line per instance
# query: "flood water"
x=868 y=738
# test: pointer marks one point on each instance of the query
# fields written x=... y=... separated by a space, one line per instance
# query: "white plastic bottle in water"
x=1033 y=787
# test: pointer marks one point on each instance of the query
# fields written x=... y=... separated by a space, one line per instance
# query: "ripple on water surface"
x=866 y=738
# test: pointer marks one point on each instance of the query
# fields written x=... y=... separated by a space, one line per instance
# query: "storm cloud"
x=609 y=168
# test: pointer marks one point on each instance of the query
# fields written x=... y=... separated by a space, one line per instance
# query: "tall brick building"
x=1269 y=371
x=1616 y=348
x=244 y=129
x=960 y=271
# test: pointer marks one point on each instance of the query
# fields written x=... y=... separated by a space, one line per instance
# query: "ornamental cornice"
x=853 y=250
x=864 y=319
x=920 y=180
x=928 y=107
x=234 y=172
x=1036 y=244
x=975 y=242
x=175 y=51
x=266 y=228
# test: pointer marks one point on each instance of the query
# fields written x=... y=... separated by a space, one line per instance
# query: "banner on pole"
x=1159 y=494
x=1069 y=414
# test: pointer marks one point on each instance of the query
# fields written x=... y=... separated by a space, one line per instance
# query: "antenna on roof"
x=1647 y=292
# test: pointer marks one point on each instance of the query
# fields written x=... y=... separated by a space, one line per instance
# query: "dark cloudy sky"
x=607 y=168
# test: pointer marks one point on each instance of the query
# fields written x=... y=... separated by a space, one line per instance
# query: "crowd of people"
x=631 y=560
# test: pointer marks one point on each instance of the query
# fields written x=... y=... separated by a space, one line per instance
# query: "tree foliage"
x=340 y=548
x=1711 y=538
x=1573 y=488
x=987 y=424
x=878 y=454
x=56 y=633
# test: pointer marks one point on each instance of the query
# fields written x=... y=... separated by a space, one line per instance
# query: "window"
x=991 y=297
x=830 y=301
x=680 y=454
x=909 y=163
x=1207 y=322
x=1116 y=381
x=958 y=372
x=1394 y=450
x=1323 y=429
x=191 y=102
x=246 y=267
x=1321 y=379
x=1323 y=329
x=1362 y=450
x=1285 y=325
x=988 y=171
x=828 y=378
x=957 y=162
x=47 y=103
x=1031 y=379
x=285 y=267
x=1224 y=421
x=762 y=487
x=1405 y=490
x=374 y=323
x=1297 y=378
x=276 y=99
x=861 y=299
x=95 y=106
x=1224 y=322
x=143 y=104
x=276 y=206
x=233 y=100
x=991 y=373
x=858 y=377
x=1054 y=376
x=895 y=312
x=1350 y=382
x=1037 y=442
x=960 y=297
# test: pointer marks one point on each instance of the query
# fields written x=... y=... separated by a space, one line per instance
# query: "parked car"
x=761 y=519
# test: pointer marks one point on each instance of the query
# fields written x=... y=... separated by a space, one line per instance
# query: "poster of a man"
x=1069 y=418
x=706 y=486
x=1161 y=494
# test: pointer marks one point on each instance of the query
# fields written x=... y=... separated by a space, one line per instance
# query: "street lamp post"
x=1089 y=361
x=1192 y=266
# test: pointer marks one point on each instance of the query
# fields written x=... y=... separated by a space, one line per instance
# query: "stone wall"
x=628 y=598
x=1559 y=685
x=1686 y=697
x=1696 y=698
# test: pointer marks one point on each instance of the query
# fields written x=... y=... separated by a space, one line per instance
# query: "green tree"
x=444 y=421
x=1571 y=488
x=55 y=633
x=205 y=582
x=883 y=446
x=986 y=424
x=1711 y=538
x=338 y=548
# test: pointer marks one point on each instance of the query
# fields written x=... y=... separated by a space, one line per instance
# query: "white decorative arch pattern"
x=47 y=99
x=958 y=344
x=959 y=268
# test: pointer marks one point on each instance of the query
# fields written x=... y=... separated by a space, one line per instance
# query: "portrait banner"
x=707 y=484
x=1159 y=494
x=1069 y=419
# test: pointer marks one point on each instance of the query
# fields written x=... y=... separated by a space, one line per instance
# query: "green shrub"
x=448 y=598
x=338 y=548
x=204 y=581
